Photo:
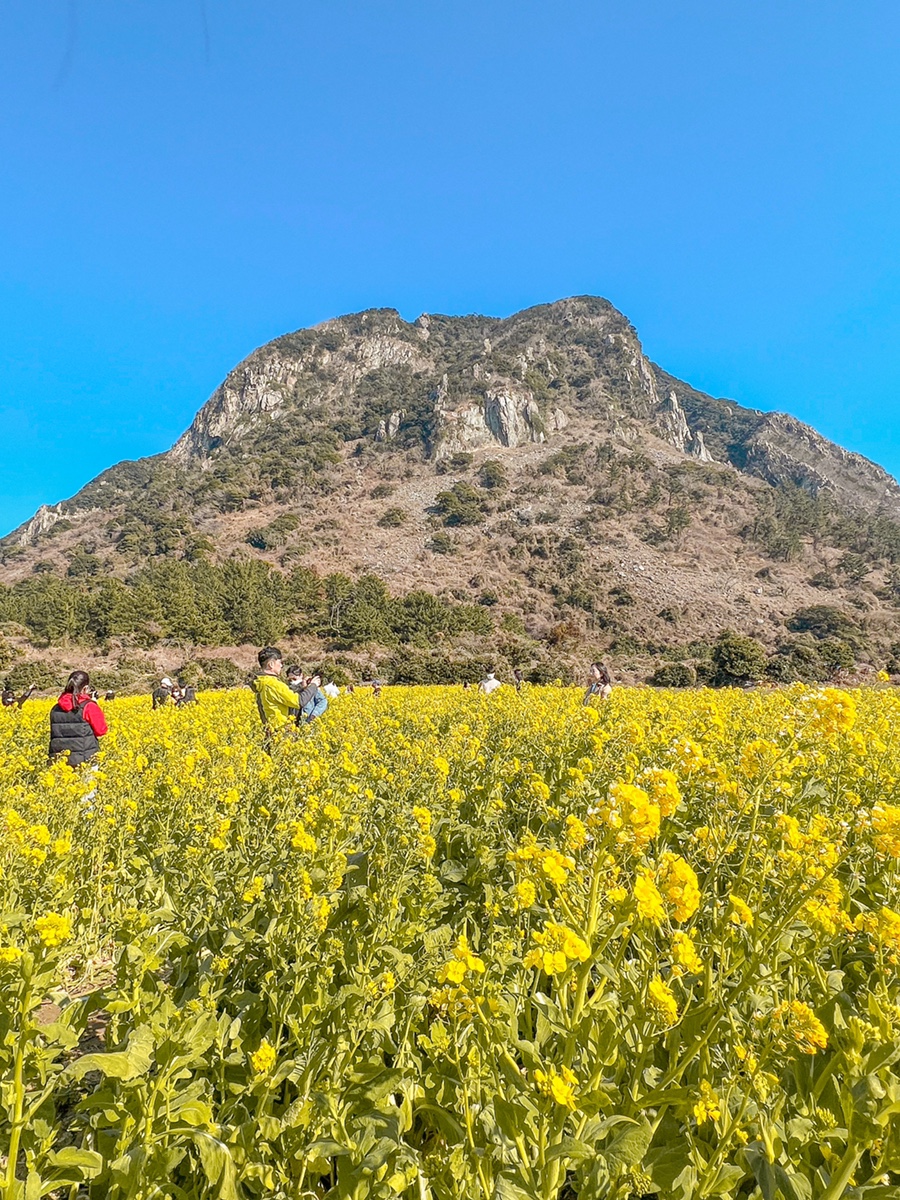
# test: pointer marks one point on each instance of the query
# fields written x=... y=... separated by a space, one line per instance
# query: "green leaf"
x=128 y=1172
x=513 y=1119
x=218 y=1166
x=627 y=1148
x=684 y=1186
x=571 y=1149
x=665 y=1163
x=794 y=1185
x=506 y=1189
x=378 y=1155
x=88 y=1162
x=763 y=1170
x=119 y=1064
x=381 y=1084
x=325 y=1148
x=728 y=1176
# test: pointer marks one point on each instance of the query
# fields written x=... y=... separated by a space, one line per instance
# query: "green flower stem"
x=842 y=1176
x=17 y=1115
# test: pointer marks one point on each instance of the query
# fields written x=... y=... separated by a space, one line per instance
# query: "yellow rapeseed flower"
x=798 y=1022
x=684 y=953
x=707 y=1107
x=648 y=899
x=679 y=885
x=739 y=913
x=263 y=1059
x=663 y=1004
x=558 y=1086
x=53 y=929
x=556 y=947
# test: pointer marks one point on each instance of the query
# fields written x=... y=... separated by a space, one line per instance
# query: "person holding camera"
x=76 y=722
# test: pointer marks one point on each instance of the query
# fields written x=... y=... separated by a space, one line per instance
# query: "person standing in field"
x=163 y=694
x=76 y=722
x=489 y=684
x=276 y=702
x=599 y=683
x=10 y=699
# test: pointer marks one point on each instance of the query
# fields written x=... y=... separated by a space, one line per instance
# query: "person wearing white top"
x=489 y=684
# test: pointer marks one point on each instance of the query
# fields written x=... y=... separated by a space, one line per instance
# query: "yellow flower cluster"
x=53 y=929
x=886 y=827
x=679 y=884
x=558 y=1086
x=662 y=1003
x=542 y=861
x=555 y=947
x=463 y=963
x=263 y=1059
x=795 y=1020
x=630 y=811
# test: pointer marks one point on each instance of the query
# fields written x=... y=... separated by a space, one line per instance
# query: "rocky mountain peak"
x=440 y=387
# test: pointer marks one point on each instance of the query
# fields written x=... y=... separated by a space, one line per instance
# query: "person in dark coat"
x=76 y=722
x=163 y=694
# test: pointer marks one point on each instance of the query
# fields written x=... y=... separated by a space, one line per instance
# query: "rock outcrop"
x=785 y=452
x=42 y=522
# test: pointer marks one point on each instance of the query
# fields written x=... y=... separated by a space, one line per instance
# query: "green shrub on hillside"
x=737 y=660
x=673 y=675
x=392 y=518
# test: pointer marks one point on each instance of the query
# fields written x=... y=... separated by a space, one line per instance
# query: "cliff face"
x=784 y=452
x=469 y=383
x=465 y=383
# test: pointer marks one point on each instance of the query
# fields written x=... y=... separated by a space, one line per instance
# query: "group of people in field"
x=77 y=721
x=176 y=694
x=299 y=701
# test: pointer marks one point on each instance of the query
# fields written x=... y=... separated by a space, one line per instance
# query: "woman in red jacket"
x=76 y=722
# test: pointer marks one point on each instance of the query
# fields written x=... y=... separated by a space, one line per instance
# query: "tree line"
x=230 y=603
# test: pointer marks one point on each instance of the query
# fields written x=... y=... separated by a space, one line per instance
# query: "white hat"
x=165 y=681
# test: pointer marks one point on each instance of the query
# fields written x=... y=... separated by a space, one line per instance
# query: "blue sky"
x=184 y=179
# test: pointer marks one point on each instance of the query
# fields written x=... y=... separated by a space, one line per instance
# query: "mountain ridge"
x=541 y=455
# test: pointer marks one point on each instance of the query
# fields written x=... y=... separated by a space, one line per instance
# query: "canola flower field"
x=443 y=946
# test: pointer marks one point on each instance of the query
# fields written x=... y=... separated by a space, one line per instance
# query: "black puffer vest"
x=69 y=731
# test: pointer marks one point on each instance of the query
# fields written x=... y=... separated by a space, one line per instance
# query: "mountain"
x=538 y=465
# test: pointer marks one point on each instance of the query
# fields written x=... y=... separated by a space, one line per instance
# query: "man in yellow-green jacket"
x=276 y=702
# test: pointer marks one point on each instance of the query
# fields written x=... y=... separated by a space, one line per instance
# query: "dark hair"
x=267 y=654
x=293 y=672
x=604 y=672
x=77 y=682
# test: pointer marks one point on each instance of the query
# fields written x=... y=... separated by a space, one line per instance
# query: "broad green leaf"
x=628 y=1147
x=119 y=1064
x=572 y=1150
x=88 y=1162
x=506 y=1189
x=763 y=1170
x=218 y=1166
